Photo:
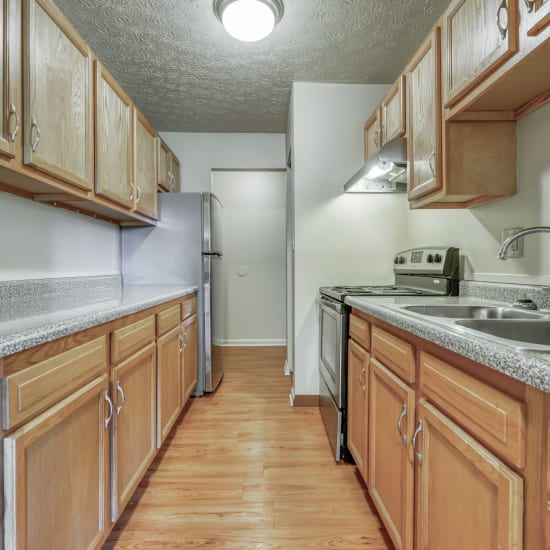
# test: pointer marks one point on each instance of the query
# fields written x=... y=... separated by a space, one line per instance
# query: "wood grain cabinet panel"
x=424 y=116
x=176 y=174
x=189 y=356
x=537 y=15
x=466 y=497
x=169 y=384
x=164 y=155
x=36 y=388
x=10 y=109
x=357 y=410
x=393 y=112
x=396 y=354
x=478 y=36
x=168 y=319
x=491 y=416
x=391 y=468
x=114 y=156
x=373 y=134
x=56 y=475
x=359 y=330
x=58 y=96
x=188 y=307
x=145 y=166
x=128 y=340
x=134 y=429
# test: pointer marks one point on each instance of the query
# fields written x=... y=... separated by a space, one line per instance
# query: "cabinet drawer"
x=130 y=339
x=394 y=353
x=36 y=388
x=188 y=308
x=359 y=330
x=488 y=414
x=168 y=319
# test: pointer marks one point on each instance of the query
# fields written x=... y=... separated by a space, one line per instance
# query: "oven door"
x=333 y=330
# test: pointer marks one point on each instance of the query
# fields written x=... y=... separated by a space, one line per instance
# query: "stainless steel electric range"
x=430 y=271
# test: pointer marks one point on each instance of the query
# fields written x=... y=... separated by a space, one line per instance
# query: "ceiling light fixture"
x=249 y=20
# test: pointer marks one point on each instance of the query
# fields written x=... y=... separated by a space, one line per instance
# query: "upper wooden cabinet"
x=372 y=134
x=424 y=118
x=537 y=14
x=478 y=37
x=393 y=112
x=113 y=160
x=176 y=175
x=145 y=166
x=168 y=169
x=57 y=88
x=10 y=109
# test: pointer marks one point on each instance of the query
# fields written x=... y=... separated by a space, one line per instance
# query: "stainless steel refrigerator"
x=185 y=248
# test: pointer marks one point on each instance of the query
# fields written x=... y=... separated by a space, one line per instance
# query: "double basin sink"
x=530 y=328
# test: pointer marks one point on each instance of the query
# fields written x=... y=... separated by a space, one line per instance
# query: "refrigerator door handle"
x=212 y=254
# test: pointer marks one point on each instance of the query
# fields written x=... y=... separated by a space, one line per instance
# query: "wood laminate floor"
x=243 y=470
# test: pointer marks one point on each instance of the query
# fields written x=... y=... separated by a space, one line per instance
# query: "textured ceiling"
x=186 y=74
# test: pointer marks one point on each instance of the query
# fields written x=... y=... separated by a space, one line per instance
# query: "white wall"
x=254 y=256
x=200 y=153
x=40 y=241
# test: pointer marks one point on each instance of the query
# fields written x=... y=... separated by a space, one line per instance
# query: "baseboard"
x=306 y=401
x=267 y=342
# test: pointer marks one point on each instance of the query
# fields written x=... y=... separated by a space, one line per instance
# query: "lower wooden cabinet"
x=169 y=394
x=391 y=467
x=466 y=497
x=357 y=420
x=134 y=391
x=189 y=357
x=56 y=474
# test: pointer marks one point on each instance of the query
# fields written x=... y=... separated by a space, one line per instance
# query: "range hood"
x=385 y=172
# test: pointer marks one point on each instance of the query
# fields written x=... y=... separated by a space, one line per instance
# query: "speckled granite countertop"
x=40 y=310
x=506 y=356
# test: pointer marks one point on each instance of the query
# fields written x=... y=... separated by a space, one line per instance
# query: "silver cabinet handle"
x=132 y=192
x=138 y=198
x=108 y=399
x=401 y=416
x=121 y=391
x=182 y=345
x=376 y=137
x=34 y=143
x=530 y=4
x=14 y=113
x=413 y=441
x=363 y=386
x=432 y=157
x=503 y=29
x=185 y=339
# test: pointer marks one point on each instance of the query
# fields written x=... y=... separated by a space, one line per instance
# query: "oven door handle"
x=333 y=305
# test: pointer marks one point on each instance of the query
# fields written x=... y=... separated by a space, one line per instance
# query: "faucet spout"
x=519 y=234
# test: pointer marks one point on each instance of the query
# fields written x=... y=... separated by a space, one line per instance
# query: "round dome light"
x=249 y=20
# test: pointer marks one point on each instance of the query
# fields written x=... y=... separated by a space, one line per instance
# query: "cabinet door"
x=479 y=36
x=176 y=174
x=466 y=497
x=189 y=367
x=357 y=421
x=391 y=468
x=169 y=403
x=10 y=121
x=164 y=166
x=56 y=474
x=113 y=162
x=393 y=112
x=424 y=112
x=134 y=441
x=57 y=96
x=537 y=15
x=145 y=166
x=372 y=134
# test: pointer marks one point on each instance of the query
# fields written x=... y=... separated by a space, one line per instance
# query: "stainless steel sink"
x=522 y=330
x=474 y=312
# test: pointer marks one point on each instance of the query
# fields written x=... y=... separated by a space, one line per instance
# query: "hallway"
x=243 y=470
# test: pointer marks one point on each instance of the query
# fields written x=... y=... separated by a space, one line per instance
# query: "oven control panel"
x=432 y=260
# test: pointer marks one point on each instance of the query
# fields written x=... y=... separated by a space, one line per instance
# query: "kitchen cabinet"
x=144 y=166
x=169 y=384
x=56 y=474
x=424 y=124
x=176 y=174
x=58 y=99
x=114 y=155
x=164 y=178
x=461 y=484
x=357 y=409
x=391 y=469
x=10 y=107
x=537 y=15
x=189 y=356
x=393 y=111
x=373 y=134
x=477 y=38
x=134 y=427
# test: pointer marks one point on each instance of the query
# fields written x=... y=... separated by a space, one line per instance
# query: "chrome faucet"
x=519 y=234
